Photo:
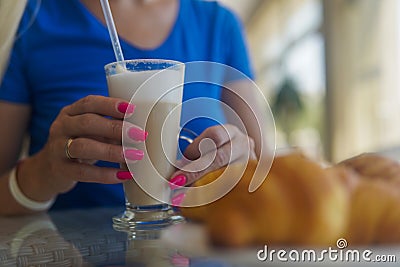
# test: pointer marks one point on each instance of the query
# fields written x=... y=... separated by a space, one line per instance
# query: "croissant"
x=375 y=214
x=302 y=203
x=297 y=204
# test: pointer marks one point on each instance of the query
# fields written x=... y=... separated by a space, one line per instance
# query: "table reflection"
x=87 y=238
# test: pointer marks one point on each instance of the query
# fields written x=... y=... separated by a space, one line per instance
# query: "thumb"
x=194 y=170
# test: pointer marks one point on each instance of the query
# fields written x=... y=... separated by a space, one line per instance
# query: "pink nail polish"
x=134 y=154
x=177 y=200
x=180 y=261
x=124 y=175
x=137 y=134
x=177 y=181
x=125 y=107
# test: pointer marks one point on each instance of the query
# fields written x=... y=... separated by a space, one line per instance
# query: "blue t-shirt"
x=59 y=57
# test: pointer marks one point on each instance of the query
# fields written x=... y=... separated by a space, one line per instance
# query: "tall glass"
x=155 y=87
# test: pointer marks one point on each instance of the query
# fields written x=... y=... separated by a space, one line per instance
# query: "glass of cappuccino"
x=155 y=87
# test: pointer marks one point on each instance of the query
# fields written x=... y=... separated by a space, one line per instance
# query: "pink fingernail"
x=125 y=107
x=177 y=200
x=137 y=134
x=134 y=154
x=177 y=181
x=180 y=261
x=124 y=175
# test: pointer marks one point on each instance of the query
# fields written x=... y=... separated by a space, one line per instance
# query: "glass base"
x=145 y=221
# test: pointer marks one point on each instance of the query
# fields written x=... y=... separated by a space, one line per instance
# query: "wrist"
x=32 y=181
x=21 y=198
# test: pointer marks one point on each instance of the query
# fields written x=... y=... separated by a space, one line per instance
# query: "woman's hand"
x=94 y=137
x=373 y=166
x=216 y=147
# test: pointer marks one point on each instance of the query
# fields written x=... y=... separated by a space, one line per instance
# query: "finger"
x=219 y=134
x=369 y=164
x=194 y=170
x=102 y=140
x=378 y=168
x=106 y=106
x=393 y=172
x=89 y=149
x=93 y=125
x=374 y=166
x=131 y=134
x=228 y=153
x=364 y=159
x=94 y=174
x=357 y=162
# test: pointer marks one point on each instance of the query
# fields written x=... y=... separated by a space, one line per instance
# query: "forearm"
x=242 y=98
x=29 y=181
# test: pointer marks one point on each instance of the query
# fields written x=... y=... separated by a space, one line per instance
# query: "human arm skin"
x=49 y=172
x=242 y=96
x=233 y=144
x=14 y=120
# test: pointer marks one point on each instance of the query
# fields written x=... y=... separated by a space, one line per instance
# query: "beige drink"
x=156 y=163
x=157 y=111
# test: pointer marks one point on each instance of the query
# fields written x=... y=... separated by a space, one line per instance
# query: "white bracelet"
x=22 y=199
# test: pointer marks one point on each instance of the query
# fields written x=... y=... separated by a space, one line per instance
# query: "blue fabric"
x=60 y=58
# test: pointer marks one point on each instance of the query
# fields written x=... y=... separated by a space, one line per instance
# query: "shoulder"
x=50 y=5
x=36 y=8
x=50 y=11
x=53 y=19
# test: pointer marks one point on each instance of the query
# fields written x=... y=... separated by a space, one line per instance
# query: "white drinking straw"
x=111 y=30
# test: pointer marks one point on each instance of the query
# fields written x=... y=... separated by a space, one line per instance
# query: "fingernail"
x=137 y=134
x=125 y=107
x=177 y=181
x=180 y=261
x=178 y=199
x=134 y=154
x=124 y=175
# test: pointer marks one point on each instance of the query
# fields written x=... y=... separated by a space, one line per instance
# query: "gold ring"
x=67 y=145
